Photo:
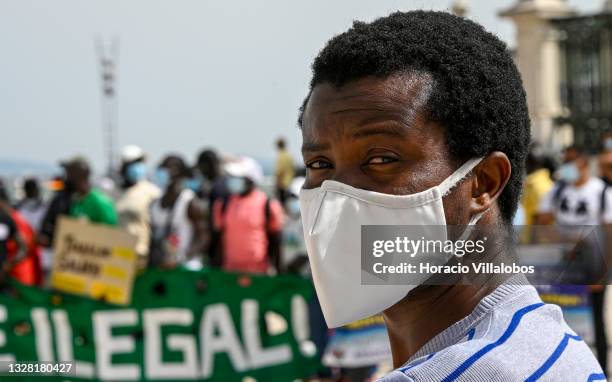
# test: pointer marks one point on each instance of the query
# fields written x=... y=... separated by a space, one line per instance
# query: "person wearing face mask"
x=580 y=199
x=135 y=200
x=249 y=224
x=577 y=198
x=179 y=234
x=402 y=126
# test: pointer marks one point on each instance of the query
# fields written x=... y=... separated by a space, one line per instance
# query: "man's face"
x=206 y=169
x=573 y=156
x=31 y=190
x=75 y=175
x=570 y=155
x=372 y=134
x=175 y=169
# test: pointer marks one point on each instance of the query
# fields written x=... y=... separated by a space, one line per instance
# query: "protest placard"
x=94 y=260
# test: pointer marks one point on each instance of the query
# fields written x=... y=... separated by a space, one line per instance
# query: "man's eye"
x=318 y=165
x=381 y=160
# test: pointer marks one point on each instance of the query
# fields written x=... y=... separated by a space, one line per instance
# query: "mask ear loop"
x=456 y=177
x=470 y=228
x=453 y=180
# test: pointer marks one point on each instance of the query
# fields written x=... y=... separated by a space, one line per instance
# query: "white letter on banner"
x=301 y=328
x=299 y=318
x=9 y=358
x=155 y=367
x=64 y=344
x=42 y=331
x=259 y=356
x=107 y=345
x=217 y=319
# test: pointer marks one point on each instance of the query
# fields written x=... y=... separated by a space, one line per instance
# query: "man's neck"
x=426 y=312
x=83 y=191
x=171 y=194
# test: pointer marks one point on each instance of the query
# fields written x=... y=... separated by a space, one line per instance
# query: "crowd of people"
x=213 y=212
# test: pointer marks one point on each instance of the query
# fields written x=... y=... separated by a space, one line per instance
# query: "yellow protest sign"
x=94 y=260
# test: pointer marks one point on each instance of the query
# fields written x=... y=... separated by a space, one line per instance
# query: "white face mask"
x=332 y=217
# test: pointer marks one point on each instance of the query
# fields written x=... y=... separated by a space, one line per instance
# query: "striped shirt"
x=510 y=336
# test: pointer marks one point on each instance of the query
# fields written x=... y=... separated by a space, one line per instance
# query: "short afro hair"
x=477 y=94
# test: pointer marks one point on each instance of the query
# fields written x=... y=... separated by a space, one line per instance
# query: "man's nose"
x=353 y=176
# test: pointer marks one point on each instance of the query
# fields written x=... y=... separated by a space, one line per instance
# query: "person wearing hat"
x=179 y=234
x=249 y=223
x=135 y=200
x=87 y=202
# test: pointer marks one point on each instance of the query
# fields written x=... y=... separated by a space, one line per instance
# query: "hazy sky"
x=224 y=73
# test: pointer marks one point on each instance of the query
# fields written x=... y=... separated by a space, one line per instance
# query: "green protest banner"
x=181 y=325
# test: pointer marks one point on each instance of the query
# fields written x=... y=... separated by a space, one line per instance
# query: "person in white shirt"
x=179 y=233
x=578 y=198
x=135 y=201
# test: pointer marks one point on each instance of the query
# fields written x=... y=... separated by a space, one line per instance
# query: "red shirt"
x=245 y=239
x=28 y=271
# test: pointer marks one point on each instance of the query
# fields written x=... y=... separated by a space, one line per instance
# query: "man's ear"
x=490 y=177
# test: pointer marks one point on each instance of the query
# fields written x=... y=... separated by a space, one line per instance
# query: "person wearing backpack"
x=248 y=223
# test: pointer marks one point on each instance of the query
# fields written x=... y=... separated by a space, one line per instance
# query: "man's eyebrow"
x=314 y=146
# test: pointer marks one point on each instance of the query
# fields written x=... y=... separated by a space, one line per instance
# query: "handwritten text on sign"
x=94 y=260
